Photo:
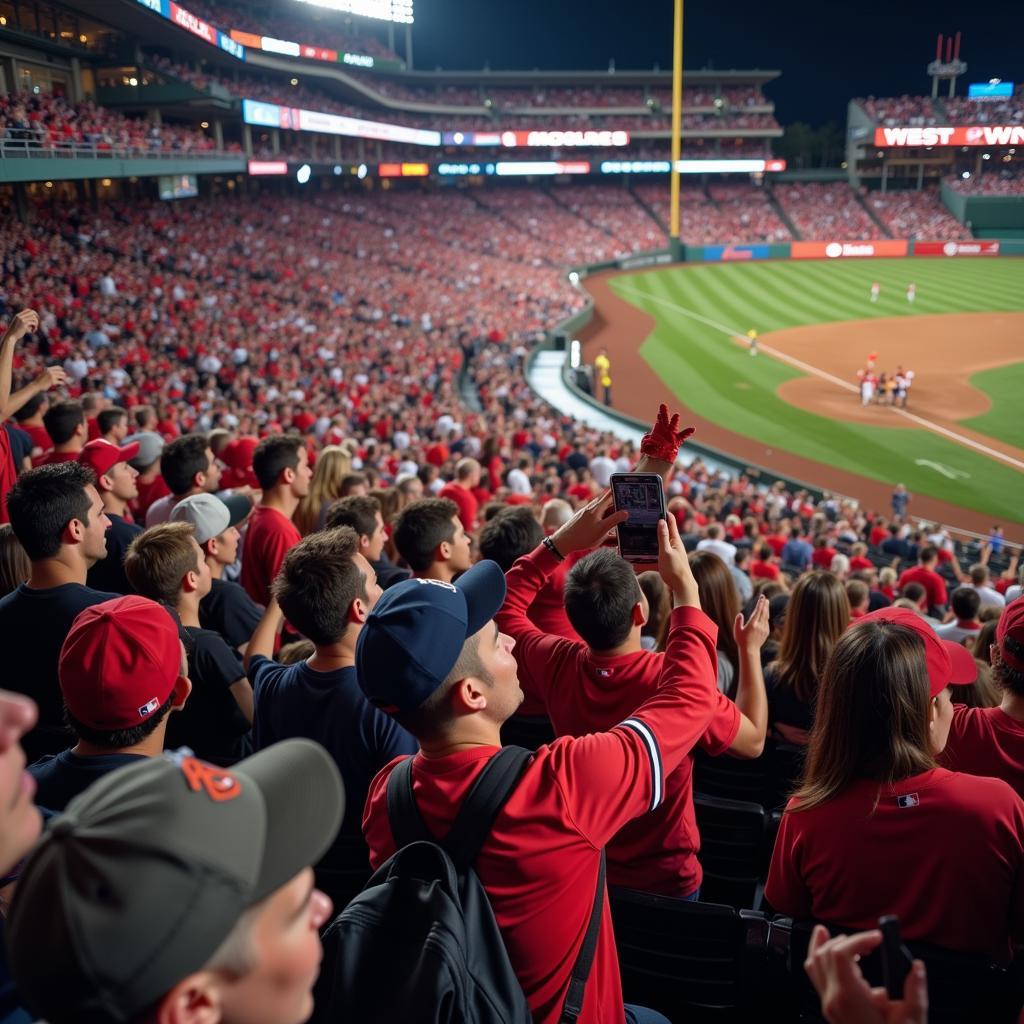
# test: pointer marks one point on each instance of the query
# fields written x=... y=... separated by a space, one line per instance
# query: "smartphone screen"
x=642 y=496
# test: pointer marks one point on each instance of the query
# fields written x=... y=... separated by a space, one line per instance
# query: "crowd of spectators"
x=1003 y=182
x=295 y=371
x=961 y=110
x=822 y=211
x=894 y=111
x=51 y=121
x=913 y=214
x=721 y=213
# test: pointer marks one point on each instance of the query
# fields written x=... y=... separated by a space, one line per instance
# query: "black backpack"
x=419 y=944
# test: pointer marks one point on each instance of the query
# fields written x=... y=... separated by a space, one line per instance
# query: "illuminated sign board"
x=184 y=18
x=541 y=167
x=383 y=10
x=975 y=135
x=545 y=139
x=403 y=170
x=749 y=166
x=956 y=248
x=264 y=167
x=845 y=250
x=990 y=90
x=270 y=115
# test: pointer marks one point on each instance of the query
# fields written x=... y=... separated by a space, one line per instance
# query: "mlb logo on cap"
x=148 y=708
x=908 y=800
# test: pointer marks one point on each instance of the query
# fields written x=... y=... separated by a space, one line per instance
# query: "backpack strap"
x=492 y=788
x=573 y=1005
x=407 y=824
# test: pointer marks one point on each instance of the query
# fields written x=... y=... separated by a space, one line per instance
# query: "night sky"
x=827 y=52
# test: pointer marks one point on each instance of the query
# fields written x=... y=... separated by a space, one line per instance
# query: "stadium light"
x=965 y=175
x=361 y=173
x=303 y=174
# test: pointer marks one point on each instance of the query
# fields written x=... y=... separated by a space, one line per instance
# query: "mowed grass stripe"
x=720 y=381
x=1005 y=420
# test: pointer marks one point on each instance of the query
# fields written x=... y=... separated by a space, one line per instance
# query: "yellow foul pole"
x=677 y=125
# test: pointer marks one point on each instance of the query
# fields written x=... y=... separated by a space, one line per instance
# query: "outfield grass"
x=1005 y=387
x=698 y=307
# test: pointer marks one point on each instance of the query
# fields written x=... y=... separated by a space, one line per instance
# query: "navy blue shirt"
x=33 y=626
x=328 y=707
x=797 y=552
x=61 y=777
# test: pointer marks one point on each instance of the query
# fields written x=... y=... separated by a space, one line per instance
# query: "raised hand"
x=751 y=635
x=665 y=437
x=846 y=998
x=22 y=323
x=52 y=377
x=674 y=565
x=588 y=527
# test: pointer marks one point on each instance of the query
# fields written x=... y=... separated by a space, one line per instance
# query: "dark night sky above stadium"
x=828 y=52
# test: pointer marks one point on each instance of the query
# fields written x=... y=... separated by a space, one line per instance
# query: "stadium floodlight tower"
x=949 y=69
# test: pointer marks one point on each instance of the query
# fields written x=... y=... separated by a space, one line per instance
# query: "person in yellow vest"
x=752 y=335
x=602 y=373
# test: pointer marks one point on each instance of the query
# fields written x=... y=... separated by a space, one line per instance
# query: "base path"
x=621 y=328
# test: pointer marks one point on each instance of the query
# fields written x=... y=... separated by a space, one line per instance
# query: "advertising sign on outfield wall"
x=736 y=252
x=975 y=135
x=844 y=250
x=956 y=248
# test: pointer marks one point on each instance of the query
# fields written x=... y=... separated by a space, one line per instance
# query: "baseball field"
x=680 y=333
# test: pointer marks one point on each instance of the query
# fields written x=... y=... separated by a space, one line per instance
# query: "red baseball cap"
x=1010 y=635
x=119 y=663
x=101 y=456
x=948 y=663
x=237 y=456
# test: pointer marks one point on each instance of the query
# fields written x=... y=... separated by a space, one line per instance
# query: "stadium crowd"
x=912 y=214
x=244 y=434
x=1003 y=182
x=821 y=210
x=51 y=121
x=894 y=111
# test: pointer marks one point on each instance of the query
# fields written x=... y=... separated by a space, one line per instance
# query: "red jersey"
x=932 y=582
x=585 y=693
x=8 y=473
x=859 y=562
x=148 y=493
x=986 y=741
x=764 y=570
x=942 y=850
x=540 y=862
x=877 y=535
x=467 y=503
x=52 y=458
x=40 y=438
x=822 y=557
x=268 y=538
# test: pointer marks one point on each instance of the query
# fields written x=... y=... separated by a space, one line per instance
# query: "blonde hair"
x=332 y=465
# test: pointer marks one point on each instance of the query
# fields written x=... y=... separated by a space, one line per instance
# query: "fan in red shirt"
x=821 y=557
x=591 y=684
x=876 y=826
x=23 y=323
x=763 y=568
x=432 y=654
x=460 y=490
x=858 y=558
x=990 y=741
x=282 y=469
x=925 y=574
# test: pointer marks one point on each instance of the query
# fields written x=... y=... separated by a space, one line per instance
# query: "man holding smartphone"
x=593 y=684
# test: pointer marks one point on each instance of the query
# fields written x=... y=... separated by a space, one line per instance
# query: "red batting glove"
x=665 y=437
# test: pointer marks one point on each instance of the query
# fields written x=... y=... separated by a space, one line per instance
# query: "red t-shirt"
x=986 y=741
x=932 y=582
x=40 y=438
x=148 y=493
x=942 y=850
x=822 y=557
x=584 y=693
x=539 y=865
x=776 y=542
x=764 y=570
x=859 y=562
x=52 y=458
x=268 y=538
x=8 y=473
x=878 y=534
x=468 y=506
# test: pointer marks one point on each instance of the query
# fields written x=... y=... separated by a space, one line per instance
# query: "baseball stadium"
x=690 y=379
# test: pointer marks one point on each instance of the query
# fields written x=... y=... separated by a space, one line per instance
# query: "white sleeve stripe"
x=654 y=755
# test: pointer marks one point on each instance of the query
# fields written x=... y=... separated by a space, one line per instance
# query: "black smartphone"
x=896 y=958
x=643 y=497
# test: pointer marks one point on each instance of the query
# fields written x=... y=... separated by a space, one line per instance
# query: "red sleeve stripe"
x=654 y=756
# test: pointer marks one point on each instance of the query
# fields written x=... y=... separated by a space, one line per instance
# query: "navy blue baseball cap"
x=415 y=633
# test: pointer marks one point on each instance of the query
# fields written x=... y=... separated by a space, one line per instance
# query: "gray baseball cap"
x=146 y=873
x=209 y=515
x=150 y=446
